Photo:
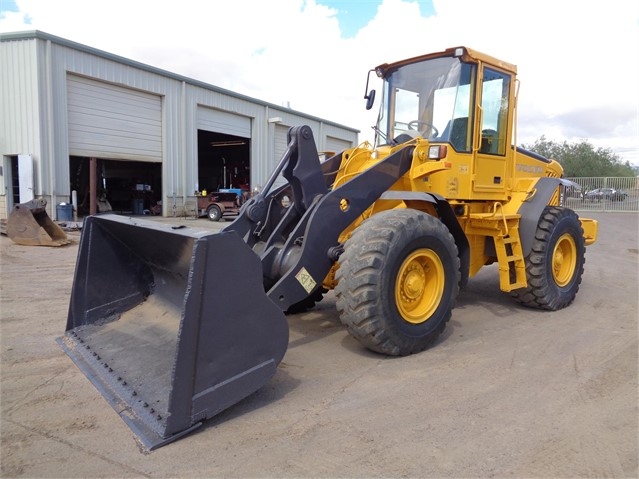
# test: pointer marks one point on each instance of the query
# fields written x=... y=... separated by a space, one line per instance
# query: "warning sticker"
x=306 y=280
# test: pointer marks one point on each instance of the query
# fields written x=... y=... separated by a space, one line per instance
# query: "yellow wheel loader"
x=396 y=229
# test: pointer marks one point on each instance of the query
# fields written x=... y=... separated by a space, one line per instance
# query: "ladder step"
x=511 y=256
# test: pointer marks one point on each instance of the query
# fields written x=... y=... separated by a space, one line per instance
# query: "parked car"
x=611 y=194
x=573 y=192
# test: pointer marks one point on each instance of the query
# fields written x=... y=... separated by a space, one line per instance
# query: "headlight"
x=437 y=152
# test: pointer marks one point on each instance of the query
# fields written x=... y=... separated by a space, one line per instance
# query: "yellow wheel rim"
x=564 y=260
x=420 y=286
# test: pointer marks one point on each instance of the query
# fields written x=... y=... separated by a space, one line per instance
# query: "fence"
x=603 y=194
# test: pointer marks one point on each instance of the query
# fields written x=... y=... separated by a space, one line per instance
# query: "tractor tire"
x=214 y=213
x=398 y=281
x=555 y=263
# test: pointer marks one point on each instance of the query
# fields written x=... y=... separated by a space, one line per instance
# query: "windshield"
x=432 y=98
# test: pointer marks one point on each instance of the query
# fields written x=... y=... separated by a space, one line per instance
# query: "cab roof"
x=465 y=53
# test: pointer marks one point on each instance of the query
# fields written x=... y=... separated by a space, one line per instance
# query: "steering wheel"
x=415 y=124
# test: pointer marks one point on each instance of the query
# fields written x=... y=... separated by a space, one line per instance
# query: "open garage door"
x=224 y=150
x=224 y=161
x=125 y=187
x=218 y=121
x=122 y=129
x=109 y=121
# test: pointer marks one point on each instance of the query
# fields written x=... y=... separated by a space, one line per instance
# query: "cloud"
x=578 y=62
x=596 y=123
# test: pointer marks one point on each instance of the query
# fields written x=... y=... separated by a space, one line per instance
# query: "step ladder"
x=503 y=227
x=512 y=266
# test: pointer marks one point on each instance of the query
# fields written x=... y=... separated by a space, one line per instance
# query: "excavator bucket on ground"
x=30 y=225
x=171 y=324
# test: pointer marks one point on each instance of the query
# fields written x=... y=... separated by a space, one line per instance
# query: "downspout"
x=49 y=127
x=93 y=181
x=183 y=134
x=267 y=141
x=321 y=146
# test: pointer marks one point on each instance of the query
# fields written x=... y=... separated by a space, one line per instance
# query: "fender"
x=531 y=209
x=447 y=216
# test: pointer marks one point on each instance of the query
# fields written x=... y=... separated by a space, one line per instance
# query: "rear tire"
x=398 y=281
x=555 y=263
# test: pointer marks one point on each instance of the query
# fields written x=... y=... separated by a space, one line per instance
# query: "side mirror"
x=369 y=95
x=370 y=99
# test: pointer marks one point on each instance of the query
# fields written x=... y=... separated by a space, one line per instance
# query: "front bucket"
x=171 y=324
x=29 y=224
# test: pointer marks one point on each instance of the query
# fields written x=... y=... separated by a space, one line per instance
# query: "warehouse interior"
x=135 y=187
x=123 y=186
x=224 y=161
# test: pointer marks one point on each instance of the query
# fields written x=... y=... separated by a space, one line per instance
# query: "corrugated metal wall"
x=19 y=109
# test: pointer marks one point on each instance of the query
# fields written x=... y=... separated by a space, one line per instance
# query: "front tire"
x=555 y=263
x=398 y=281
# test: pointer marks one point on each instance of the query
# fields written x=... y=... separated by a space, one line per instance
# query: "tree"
x=581 y=159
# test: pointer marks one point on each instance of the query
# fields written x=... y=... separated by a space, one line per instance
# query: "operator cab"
x=436 y=97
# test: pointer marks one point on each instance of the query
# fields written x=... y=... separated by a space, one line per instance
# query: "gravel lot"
x=506 y=392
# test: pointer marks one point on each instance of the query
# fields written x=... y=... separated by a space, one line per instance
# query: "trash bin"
x=64 y=212
x=137 y=207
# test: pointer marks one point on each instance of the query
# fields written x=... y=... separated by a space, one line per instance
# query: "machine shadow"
x=322 y=322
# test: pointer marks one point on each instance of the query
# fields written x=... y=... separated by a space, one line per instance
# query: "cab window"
x=494 y=102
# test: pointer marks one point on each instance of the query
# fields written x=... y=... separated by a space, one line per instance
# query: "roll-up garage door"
x=336 y=145
x=219 y=121
x=280 y=143
x=109 y=121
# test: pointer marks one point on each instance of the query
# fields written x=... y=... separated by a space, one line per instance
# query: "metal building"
x=69 y=111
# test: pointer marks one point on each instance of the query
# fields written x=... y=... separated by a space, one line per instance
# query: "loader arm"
x=298 y=244
x=300 y=166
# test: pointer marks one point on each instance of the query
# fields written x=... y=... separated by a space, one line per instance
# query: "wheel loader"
x=395 y=228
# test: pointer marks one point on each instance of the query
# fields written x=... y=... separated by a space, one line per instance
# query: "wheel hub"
x=420 y=286
x=414 y=284
x=564 y=260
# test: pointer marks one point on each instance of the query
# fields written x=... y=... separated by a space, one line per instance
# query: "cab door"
x=493 y=133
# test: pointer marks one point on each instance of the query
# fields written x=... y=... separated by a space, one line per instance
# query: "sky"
x=578 y=60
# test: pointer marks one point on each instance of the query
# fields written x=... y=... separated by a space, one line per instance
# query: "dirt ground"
x=506 y=392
